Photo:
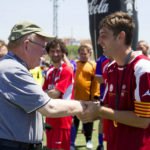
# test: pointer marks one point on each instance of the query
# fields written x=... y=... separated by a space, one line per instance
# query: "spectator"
x=58 y=84
x=144 y=47
x=86 y=87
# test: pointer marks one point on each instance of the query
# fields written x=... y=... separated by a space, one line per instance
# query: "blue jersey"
x=101 y=64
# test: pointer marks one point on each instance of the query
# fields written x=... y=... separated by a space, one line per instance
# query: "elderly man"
x=22 y=101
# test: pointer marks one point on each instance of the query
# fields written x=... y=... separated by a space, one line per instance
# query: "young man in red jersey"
x=127 y=93
x=58 y=84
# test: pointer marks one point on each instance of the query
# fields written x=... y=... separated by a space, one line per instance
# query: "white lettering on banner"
x=135 y=5
x=102 y=7
x=129 y=7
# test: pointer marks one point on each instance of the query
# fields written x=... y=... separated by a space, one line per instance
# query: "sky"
x=72 y=17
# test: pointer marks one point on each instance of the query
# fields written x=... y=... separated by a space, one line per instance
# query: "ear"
x=121 y=36
x=25 y=47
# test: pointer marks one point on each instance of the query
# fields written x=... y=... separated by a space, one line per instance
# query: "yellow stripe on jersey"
x=141 y=115
x=142 y=106
x=141 y=112
x=143 y=103
x=142 y=109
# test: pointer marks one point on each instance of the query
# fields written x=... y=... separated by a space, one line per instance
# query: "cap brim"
x=45 y=35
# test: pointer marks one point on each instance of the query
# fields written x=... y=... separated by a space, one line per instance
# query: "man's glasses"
x=36 y=43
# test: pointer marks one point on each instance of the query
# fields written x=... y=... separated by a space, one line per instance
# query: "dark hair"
x=117 y=22
x=54 y=43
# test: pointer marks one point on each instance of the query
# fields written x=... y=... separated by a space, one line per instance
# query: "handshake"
x=90 y=111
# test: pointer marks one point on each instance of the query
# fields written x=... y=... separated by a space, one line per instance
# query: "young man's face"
x=56 y=54
x=108 y=41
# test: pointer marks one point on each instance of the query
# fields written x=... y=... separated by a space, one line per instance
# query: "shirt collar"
x=11 y=55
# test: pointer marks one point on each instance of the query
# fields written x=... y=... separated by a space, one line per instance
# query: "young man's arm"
x=118 y=116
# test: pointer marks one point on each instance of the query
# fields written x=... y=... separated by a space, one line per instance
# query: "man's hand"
x=90 y=112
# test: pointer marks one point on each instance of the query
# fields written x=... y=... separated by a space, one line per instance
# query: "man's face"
x=35 y=48
x=143 y=46
x=56 y=54
x=3 y=50
x=84 y=55
x=108 y=41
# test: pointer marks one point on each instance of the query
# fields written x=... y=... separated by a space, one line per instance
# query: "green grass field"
x=80 y=140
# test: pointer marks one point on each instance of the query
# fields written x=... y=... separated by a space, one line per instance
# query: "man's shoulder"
x=92 y=62
x=101 y=58
x=12 y=66
x=142 y=63
x=66 y=68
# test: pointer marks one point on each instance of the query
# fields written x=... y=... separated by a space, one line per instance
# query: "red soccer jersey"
x=62 y=79
x=132 y=85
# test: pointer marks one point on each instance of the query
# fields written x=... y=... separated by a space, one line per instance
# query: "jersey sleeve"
x=65 y=80
x=45 y=83
x=142 y=91
x=98 y=71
